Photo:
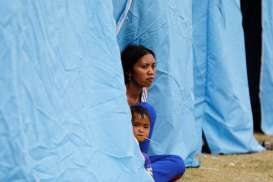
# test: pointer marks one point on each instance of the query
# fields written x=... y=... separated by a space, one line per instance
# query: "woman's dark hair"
x=130 y=55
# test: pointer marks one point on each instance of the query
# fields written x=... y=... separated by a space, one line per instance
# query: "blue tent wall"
x=60 y=76
x=200 y=46
x=118 y=8
x=166 y=27
x=222 y=98
x=63 y=110
x=266 y=85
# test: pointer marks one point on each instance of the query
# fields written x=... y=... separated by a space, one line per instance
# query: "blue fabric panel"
x=200 y=46
x=118 y=8
x=227 y=120
x=63 y=110
x=267 y=68
x=166 y=28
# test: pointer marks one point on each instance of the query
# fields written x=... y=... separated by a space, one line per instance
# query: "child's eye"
x=146 y=126
x=135 y=124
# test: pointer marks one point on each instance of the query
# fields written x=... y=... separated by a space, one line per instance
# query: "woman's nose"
x=151 y=71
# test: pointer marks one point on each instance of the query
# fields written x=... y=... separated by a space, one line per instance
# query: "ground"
x=256 y=167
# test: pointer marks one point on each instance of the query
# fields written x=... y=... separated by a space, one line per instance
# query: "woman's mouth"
x=150 y=80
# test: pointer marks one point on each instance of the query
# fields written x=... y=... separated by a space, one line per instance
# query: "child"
x=164 y=168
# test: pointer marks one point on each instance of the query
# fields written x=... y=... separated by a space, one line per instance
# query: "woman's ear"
x=129 y=76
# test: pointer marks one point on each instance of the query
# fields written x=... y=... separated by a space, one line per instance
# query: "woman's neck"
x=133 y=92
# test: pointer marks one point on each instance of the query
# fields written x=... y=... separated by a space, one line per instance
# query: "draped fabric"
x=166 y=28
x=266 y=85
x=222 y=100
x=63 y=109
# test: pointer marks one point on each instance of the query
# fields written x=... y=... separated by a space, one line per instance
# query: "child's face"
x=141 y=126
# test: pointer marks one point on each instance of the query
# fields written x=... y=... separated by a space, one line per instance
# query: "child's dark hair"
x=140 y=110
x=130 y=55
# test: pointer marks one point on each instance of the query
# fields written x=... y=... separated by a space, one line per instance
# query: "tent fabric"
x=121 y=9
x=63 y=109
x=222 y=100
x=166 y=28
x=266 y=85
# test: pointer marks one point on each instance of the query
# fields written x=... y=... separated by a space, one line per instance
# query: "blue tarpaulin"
x=63 y=109
x=266 y=85
x=222 y=100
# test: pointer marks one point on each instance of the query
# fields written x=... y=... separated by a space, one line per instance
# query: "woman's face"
x=143 y=72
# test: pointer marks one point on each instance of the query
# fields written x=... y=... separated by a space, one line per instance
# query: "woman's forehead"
x=148 y=58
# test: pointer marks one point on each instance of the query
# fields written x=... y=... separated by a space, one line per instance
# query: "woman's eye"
x=144 y=66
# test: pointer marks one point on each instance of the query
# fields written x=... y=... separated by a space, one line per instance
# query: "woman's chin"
x=147 y=85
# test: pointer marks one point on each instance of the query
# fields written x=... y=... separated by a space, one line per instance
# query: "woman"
x=139 y=72
x=138 y=64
